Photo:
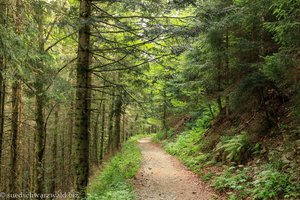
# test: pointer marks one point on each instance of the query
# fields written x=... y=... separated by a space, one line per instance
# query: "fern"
x=235 y=147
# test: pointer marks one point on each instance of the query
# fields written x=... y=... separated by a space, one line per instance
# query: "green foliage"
x=268 y=183
x=188 y=145
x=112 y=182
x=254 y=85
x=158 y=137
x=286 y=27
x=277 y=69
x=208 y=176
x=235 y=147
x=233 y=179
x=273 y=184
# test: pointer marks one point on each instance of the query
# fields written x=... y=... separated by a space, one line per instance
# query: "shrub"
x=232 y=179
x=273 y=184
x=235 y=147
x=158 y=137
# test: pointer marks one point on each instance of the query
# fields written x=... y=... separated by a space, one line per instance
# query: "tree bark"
x=96 y=134
x=124 y=137
x=70 y=148
x=102 y=133
x=111 y=126
x=227 y=108
x=16 y=112
x=40 y=99
x=54 y=155
x=40 y=137
x=15 y=129
x=2 y=111
x=165 y=129
x=83 y=100
x=2 y=89
x=117 y=132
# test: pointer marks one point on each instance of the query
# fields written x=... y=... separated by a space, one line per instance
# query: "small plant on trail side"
x=233 y=179
x=273 y=184
x=158 y=137
x=236 y=148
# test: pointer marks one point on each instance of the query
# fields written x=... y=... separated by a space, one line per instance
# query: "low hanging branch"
x=58 y=41
x=126 y=67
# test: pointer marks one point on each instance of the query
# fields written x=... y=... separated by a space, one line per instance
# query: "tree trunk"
x=124 y=137
x=16 y=113
x=96 y=133
x=40 y=99
x=62 y=159
x=111 y=126
x=83 y=103
x=117 y=132
x=70 y=148
x=15 y=129
x=40 y=137
x=227 y=108
x=165 y=129
x=54 y=155
x=2 y=89
x=2 y=103
x=102 y=133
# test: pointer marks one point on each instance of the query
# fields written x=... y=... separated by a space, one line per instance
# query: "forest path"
x=163 y=177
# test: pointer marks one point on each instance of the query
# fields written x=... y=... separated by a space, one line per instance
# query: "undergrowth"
x=235 y=148
x=254 y=181
x=113 y=181
x=263 y=184
x=187 y=147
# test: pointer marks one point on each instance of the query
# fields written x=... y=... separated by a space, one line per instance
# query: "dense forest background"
x=78 y=78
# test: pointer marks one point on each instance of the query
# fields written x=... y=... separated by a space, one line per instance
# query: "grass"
x=113 y=182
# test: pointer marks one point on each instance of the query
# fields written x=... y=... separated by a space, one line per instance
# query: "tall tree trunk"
x=40 y=99
x=117 y=132
x=70 y=148
x=83 y=103
x=102 y=133
x=227 y=108
x=3 y=8
x=219 y=83
x=15 y=129
x=54 y=154
x=16 y=112
x=96 y=134
x=2 y=103
x=111 y=126
x=40 y=137
x=165 y=129
x=123 y=127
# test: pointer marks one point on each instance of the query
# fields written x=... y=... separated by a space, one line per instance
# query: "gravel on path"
x=163 y=177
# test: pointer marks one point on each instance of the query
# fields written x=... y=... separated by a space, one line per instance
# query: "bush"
x=112 y=182
x=187 y=148
x=158 y=137
x=273 y=184
x=233 y=179
x=266 y=184
x=236 y=148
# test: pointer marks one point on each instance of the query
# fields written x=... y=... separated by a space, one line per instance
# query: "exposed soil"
x=162 y=177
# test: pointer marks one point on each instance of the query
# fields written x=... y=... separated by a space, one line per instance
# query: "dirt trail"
x=162 y=177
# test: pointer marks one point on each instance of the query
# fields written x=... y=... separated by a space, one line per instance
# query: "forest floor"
x=163 y=177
